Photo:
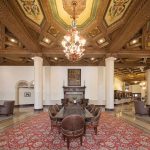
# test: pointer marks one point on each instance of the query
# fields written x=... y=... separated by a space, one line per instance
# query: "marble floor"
x=124 y=111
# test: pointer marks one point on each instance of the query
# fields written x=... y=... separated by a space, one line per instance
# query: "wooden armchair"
x=95 y=120
x=73 y=127
x=54 y=122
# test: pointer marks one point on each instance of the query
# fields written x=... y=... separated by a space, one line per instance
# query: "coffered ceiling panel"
x=32 y=10
x=116 y=10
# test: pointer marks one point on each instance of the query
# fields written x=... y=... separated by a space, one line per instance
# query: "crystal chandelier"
x=73 y=44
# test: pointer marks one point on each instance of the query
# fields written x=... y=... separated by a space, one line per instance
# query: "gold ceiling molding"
x=62 y=11
x=116 y=10
x=32 y=10
x=53 y=31
x=94 y=32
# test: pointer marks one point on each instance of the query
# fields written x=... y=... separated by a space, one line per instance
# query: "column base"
x=38 y=109
x=108 y=109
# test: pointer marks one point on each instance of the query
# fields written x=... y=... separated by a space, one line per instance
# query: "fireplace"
x=74 y=93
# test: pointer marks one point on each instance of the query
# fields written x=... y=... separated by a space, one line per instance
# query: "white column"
x=148 y=86
x=109 y=83
x=101 y=86
x=38 y=83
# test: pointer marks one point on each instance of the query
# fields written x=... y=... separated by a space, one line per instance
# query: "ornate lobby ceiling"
x=118 y=28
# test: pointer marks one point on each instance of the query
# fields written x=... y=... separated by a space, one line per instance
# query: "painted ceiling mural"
x=32 y=10
x=116 y=10
x=62 y=11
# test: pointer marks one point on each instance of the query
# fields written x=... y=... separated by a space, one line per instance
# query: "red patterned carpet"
x=35 y=134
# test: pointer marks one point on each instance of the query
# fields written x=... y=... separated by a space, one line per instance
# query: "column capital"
x=37 y=58
x=110 y=58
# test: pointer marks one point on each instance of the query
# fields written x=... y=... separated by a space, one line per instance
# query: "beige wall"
x=53 y=78
x=118 y=84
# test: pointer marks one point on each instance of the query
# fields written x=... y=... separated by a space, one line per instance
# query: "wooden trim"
x=24 y=105
x=38 y=109
x=107 y=109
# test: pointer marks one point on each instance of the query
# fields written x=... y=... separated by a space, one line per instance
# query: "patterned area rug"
x=35 y=133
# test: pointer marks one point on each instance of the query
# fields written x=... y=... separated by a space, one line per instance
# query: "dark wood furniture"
x=74 y=109
x=73 y=127
x=93 y=122
x=52 y=115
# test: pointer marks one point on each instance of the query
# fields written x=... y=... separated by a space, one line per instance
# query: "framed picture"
x=74 y=77
x=27 y=94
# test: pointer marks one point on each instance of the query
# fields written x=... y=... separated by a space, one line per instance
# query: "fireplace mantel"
x=74 y=91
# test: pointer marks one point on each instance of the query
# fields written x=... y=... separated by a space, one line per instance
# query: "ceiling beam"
x=89 y=51
x=131 y=65
x=9 y=19
x=2 y=36
x=132 y=26
x=133 y=53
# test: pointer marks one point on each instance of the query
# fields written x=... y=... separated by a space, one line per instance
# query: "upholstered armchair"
x=7 y=108
x=94 y=122
x=53 y=119
x=65 y=101
x=140 y=108
x=73 y=127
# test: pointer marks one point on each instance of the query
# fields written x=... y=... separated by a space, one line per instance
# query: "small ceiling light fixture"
x=46 y=40
x=73 y=43
x=92 y=58
x=134 y=41
x=13 y=40
x=55 y=58
x=135 y=82
x=102 y=40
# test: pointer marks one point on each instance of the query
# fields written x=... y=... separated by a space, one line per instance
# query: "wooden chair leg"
x=81 y=140
x=95 y=129
x=64 y=137
x=84 y=129
x=67 y=142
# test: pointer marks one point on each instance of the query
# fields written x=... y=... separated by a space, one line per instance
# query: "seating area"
x=73 y=119
x=74 y=74
x=7 y=108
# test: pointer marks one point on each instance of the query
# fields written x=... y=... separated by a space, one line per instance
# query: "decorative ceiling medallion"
x=94 y=32
x=53 y=31
x=67 y=5
x=116 y=10
x=32 y=10
x=62 y=10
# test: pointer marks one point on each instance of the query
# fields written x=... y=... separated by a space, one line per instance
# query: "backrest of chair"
x=64 y=101
x=56 y=107
x=52 y=110
x=97 y=117
x=97 y=109
x=73 y=122
x=93 y=108
x=139 y=105
x=90 y=107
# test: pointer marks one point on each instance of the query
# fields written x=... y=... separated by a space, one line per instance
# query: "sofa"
x=6 y=107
